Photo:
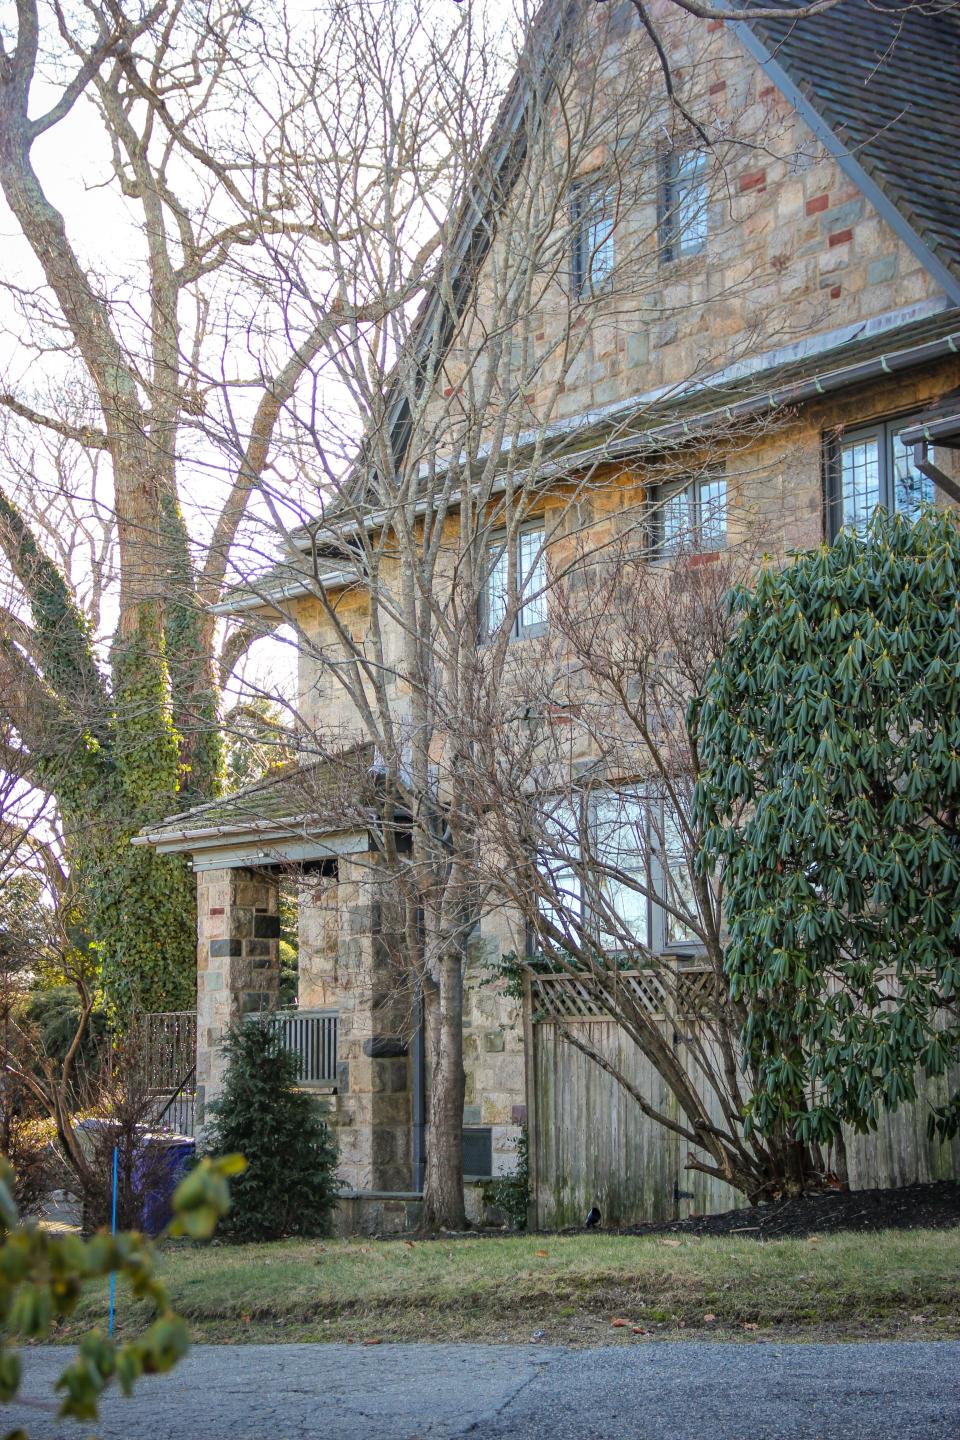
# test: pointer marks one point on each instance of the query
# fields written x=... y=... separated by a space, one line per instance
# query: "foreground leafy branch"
x=42 y=1278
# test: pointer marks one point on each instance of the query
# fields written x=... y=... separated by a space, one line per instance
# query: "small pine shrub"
x=289 y=1185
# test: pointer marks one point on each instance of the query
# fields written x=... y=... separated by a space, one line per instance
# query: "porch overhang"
x=289 y=816
x=219 y=848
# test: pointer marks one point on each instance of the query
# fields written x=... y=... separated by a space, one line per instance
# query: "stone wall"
x=493 y=1045
x=344 y=965
x=793 y=247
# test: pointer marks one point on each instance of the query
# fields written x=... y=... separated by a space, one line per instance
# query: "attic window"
x=592 y=220
x=683 y=203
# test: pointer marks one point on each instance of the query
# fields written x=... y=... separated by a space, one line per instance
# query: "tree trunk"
x=443 y=1191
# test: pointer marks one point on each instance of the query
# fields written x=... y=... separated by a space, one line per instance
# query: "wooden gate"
x=592 y=1146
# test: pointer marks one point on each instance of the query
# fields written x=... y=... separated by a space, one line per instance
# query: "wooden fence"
x=592 y=1145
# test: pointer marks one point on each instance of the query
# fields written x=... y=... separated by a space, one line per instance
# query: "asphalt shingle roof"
x=885 y=76
x=286 y=797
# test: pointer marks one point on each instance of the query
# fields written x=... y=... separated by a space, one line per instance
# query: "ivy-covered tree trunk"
x=122 y=741
x=105 y=745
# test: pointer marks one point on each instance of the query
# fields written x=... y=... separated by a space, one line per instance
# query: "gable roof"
x=883 y=79
x=853 y=72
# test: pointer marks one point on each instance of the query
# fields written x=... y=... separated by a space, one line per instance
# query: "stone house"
x=817 y=287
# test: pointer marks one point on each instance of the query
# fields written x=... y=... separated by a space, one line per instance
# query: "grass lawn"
x=564 y=1290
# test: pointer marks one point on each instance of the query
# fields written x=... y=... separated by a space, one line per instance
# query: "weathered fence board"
x=595 y=1147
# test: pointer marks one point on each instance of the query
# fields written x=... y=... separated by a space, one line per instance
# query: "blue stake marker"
x=113 y=1231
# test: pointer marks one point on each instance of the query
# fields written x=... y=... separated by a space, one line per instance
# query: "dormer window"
x=592 y=221
x=683 y=203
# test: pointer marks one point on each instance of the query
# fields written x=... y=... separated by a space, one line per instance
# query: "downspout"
x=419 y=1079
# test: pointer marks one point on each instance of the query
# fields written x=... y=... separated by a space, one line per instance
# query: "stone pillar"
x=318 y=924
x=238 y=962
x=370 y=992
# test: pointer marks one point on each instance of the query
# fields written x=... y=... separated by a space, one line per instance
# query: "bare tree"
x=591 y=836
x=437 y=545
x=167 y=373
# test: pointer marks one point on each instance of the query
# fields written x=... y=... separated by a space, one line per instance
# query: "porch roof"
x=289 y=815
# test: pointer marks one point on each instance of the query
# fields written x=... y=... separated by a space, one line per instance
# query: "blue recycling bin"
x=162 y=1162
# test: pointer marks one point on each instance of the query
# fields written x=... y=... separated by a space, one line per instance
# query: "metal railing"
x=312 y=1036
x=178 y=1113
x=169 y=1041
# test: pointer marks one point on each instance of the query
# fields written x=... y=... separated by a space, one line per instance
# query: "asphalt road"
x=676 y=1391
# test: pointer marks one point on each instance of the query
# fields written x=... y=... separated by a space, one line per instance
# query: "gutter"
x=277 y=828
x=689 y=428
x=290 y=591
x=692 y=426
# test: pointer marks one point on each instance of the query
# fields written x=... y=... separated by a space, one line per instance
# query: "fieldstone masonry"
x=344 y=963
x=346 y=966
x=238 y=962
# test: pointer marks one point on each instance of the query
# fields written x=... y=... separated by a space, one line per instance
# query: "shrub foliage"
x=42 y=1277
x=830 y=794
x=289 y=1185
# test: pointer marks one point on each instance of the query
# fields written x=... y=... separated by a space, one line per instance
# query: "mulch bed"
x=912 y=1207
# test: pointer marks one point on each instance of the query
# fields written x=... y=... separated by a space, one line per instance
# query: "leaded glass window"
x=691 y=515
x=524 y=606
x=684 y=194
x=592 y=217
x=871 y=466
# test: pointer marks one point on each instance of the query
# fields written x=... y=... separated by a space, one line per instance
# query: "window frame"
x=884 y=429
x=585 y=249
x=658 y=918
x=663 y=551
x=670 y=193
x=519 y=629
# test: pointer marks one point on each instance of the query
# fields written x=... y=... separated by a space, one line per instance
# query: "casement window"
x=592 y=221
x=690 y=515
x=616 y=864
x=870 y=466
x=684 y=194
x=519 y=599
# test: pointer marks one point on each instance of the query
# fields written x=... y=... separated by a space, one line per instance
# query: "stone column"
x=373 y=1112
x=238 y=962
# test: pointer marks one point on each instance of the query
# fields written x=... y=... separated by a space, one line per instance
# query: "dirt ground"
x=913 y=1207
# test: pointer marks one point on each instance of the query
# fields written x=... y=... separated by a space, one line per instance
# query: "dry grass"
x=570 y=1288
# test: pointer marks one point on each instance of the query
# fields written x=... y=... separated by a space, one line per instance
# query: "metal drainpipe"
x=419 y=1093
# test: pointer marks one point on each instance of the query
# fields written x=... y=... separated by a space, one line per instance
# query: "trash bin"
x=161 y=1163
